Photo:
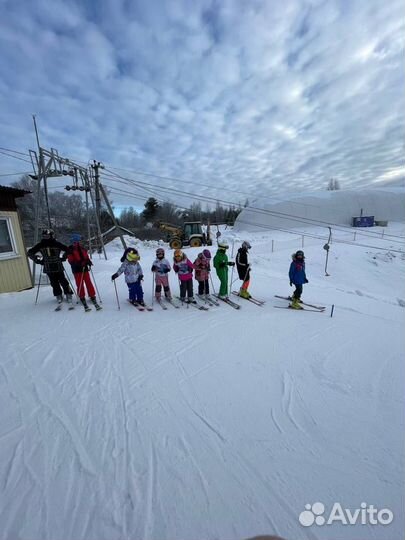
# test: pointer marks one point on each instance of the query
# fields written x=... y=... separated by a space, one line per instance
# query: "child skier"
x=133 y=275
x=221 y=264
x=80 y=263
x=202 y=272
x=297 y=277
x=161 y=267
x=184 y=269
x=243 y=268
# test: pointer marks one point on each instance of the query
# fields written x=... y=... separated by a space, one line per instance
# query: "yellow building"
x=15 y=273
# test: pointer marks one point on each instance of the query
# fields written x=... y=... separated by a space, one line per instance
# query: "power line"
x=16 y=173
x=15 y=157
x=280 y=215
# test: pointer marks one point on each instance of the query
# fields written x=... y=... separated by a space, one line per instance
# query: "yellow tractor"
x=190 y=234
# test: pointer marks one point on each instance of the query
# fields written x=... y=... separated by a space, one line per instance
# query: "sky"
x=222 y=99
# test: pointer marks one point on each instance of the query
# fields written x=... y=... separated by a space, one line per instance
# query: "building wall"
x=15 y=273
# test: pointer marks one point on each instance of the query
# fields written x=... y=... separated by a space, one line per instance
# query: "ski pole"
x=81 y=283
x=116 y=294
x=70 y=284
x=95 y=284
x=212 y=285
x=230 y=283
x=39 y=284
x=153 y=287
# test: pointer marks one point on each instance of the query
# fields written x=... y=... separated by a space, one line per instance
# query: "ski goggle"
x=133 y=257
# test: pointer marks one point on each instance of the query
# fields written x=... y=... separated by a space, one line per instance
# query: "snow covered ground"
x=224 y=424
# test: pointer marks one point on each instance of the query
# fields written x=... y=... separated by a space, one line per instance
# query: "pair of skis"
x=169 y=301
x=139 y=307
x=194 y=304
x=251 y=299
x=228 y=301
x=304 y=306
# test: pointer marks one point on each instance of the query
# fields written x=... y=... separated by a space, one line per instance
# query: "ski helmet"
x=75 y=237
x=207 y=253
x=246 y=245
x=133 y=255
x=299 y=254
x=223 y=244
x=160 y=253
x=48 y=233
x=178 y=255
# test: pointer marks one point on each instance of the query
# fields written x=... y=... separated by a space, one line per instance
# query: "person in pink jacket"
x=184 y=270
x=202 y=272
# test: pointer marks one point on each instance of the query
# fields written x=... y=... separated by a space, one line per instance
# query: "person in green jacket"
x=221 y=264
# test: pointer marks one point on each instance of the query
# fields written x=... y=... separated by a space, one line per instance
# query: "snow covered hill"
x=223 y=424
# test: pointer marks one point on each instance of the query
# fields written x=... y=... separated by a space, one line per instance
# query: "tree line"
x=68 y=213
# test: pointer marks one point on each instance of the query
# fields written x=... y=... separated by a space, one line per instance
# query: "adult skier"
x=297 y=277
x=80 y=264
x=243 y=268
x=221 y=264
x=51 y=254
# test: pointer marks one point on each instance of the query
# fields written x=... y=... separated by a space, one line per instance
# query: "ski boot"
x=85 y=305
x=244 y=293
x=191 y=300
x=59 y=298
x=95 y=303
x=295 y=304
x=141 y=303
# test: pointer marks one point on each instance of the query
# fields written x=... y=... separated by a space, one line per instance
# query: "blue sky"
x=257 y=97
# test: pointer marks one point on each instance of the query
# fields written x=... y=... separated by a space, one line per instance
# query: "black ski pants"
x=58 y=281
x=298 y=291
x=203 y=287
x=186 y=287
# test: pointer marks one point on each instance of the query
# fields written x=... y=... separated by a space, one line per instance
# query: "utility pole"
x=96 y=166
x=99 y=189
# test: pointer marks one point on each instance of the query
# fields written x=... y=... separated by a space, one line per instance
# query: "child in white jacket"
x=133 y=275
x=161 y=267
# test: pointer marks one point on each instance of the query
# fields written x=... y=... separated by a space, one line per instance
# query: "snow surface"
x=224 y=424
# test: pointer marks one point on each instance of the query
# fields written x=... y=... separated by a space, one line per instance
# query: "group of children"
x=201 y=267
x=51 y=254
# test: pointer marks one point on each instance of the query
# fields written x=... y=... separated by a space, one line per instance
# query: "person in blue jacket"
x=297 y=277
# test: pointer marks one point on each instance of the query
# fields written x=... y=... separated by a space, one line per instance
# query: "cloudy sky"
x=250 y=97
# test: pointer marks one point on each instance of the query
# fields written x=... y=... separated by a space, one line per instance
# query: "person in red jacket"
x=80 y=263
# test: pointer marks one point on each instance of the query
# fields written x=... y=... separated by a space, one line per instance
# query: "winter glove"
x=222 y=265
x=38 y=260
x=291 y=284
x=89 y=263
x=231 y=263
x=63 y=259
x=306 y=281
x=166 y=270
x=154 y=268
x=140 y=279
x=114 y=276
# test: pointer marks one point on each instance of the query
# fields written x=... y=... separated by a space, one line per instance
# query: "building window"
x=7 y=243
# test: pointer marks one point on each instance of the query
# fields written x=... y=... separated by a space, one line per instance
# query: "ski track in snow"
x=222 y=424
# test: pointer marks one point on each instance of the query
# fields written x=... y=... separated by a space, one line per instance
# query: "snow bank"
x=338 y=207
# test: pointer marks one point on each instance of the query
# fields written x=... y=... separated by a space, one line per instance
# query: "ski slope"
x=224 y=424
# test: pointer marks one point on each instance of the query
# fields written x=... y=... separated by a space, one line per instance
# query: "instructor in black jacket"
x=48 y=254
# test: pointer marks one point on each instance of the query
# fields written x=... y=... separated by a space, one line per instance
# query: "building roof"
x=15 y=192
x=8 y=195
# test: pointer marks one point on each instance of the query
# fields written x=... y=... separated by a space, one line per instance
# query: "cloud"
x=254 y=96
